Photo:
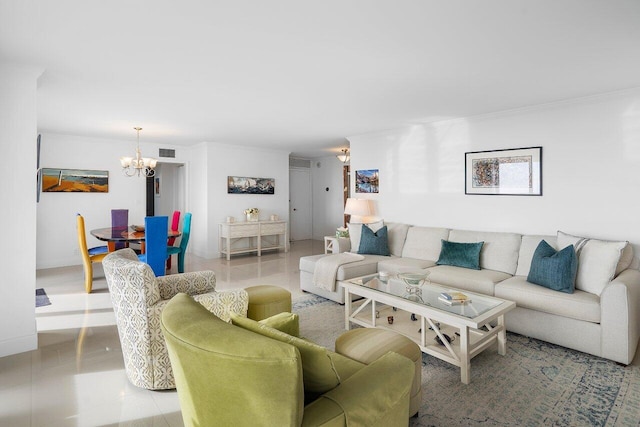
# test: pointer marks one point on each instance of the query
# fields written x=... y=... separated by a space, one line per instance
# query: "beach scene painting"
x=367 y=181
x=74 y=181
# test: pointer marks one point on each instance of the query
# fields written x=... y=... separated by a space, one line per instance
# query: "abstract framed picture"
x=367 y=181
x=248 y=185
x=509 y=172
x=74 y=181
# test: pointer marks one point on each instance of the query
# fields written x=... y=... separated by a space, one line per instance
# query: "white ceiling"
x=302 y=75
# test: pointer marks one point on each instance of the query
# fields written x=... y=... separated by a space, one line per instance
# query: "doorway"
x=166 y=190
x=300 y=204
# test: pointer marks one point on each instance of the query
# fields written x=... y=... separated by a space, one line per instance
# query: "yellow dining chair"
x=89 y=255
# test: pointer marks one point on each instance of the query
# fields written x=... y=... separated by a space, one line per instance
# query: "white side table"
x=335 y=245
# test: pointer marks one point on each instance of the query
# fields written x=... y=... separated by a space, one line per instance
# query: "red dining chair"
x=175 y=223
x=119 y=223
x=181 y=250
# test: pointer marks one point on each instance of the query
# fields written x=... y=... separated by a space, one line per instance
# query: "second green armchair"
x=229 y=375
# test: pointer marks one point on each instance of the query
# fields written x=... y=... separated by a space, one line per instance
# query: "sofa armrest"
x=377 y=395
x=620 y=317
x=223 y=303
x=192 y=283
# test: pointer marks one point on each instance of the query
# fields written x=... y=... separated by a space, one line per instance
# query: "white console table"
x=248 y=237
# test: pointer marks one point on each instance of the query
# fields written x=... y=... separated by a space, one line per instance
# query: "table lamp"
x=359 y=209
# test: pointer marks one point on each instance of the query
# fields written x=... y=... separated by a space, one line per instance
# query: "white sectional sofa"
x=604 y=322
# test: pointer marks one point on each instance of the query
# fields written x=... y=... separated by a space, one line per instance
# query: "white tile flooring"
x=76 y=376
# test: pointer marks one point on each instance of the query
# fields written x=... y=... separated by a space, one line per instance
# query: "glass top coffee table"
x=453 y=333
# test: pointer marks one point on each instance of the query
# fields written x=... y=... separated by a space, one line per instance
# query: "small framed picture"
x=510 y=172
x=367 y=181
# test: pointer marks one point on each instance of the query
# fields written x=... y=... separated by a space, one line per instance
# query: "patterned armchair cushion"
x=137 y=298
x=194 y=283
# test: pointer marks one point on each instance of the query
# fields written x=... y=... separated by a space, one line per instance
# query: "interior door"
x=300 y=204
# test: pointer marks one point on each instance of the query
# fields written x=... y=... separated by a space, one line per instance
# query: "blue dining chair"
x=184 y=241
x=155 y=238
x=120 y=223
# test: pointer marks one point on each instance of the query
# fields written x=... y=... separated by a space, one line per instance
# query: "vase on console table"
x=253 y=214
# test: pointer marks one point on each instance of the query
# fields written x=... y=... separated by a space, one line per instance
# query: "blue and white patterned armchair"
x=138 y=298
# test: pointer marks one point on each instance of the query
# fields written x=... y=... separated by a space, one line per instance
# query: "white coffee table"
x=470 y=324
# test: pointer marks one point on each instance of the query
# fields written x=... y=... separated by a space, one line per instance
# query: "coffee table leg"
x=465 y=361
x=502 y=337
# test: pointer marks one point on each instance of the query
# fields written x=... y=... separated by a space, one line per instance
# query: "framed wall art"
x=247 y=185
x=509 y=172
x=367 y=181
x=74 y=181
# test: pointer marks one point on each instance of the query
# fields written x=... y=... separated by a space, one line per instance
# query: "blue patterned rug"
x=535 y=384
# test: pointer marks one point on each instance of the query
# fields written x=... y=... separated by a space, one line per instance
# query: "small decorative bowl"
x=414 y=278
x=137 y=227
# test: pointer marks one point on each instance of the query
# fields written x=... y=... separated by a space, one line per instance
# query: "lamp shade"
x=358 y=207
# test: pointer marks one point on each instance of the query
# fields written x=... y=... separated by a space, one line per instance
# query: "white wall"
x=207 y=167
x=18 y=133
x=591 y=163
x=229 y=160
x=56 y=238
x=171 y=195
x=328 y=206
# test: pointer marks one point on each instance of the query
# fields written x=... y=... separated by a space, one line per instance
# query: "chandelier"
x=138 y=165
x=344 y=157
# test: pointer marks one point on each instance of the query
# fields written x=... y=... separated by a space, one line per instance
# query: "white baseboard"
x=19 y=345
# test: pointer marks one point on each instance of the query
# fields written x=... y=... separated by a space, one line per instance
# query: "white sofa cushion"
x=527 y=248
x=626 y=258
x=481 y=281
x=397 y=235
x=397 y=265
x=346 y=271
x=424 y=242
x=597 y=260
x=499 y=252
x=579 y=305
x=369 y=265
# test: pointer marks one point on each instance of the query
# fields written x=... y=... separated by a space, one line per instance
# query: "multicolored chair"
x=184 y=241
x=175 y=223
x=155 y=240
x=89 y=255
x=119 y=224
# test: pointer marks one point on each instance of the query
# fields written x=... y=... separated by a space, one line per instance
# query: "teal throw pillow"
x=554 y=269
x=374 y=243
x=466 y=255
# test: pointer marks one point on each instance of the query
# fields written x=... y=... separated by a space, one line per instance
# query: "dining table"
x=131 y=234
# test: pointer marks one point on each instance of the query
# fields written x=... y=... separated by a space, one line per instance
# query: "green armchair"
x=229 y=375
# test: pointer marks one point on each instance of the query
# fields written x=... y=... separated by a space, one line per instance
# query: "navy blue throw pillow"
x=554 y=269
x=466 y=255
x=374 y=243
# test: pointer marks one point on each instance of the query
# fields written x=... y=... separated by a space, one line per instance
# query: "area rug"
x=41 y=298
x=535 y=384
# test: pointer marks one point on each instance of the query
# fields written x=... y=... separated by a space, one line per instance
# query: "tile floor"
x=76 y=376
